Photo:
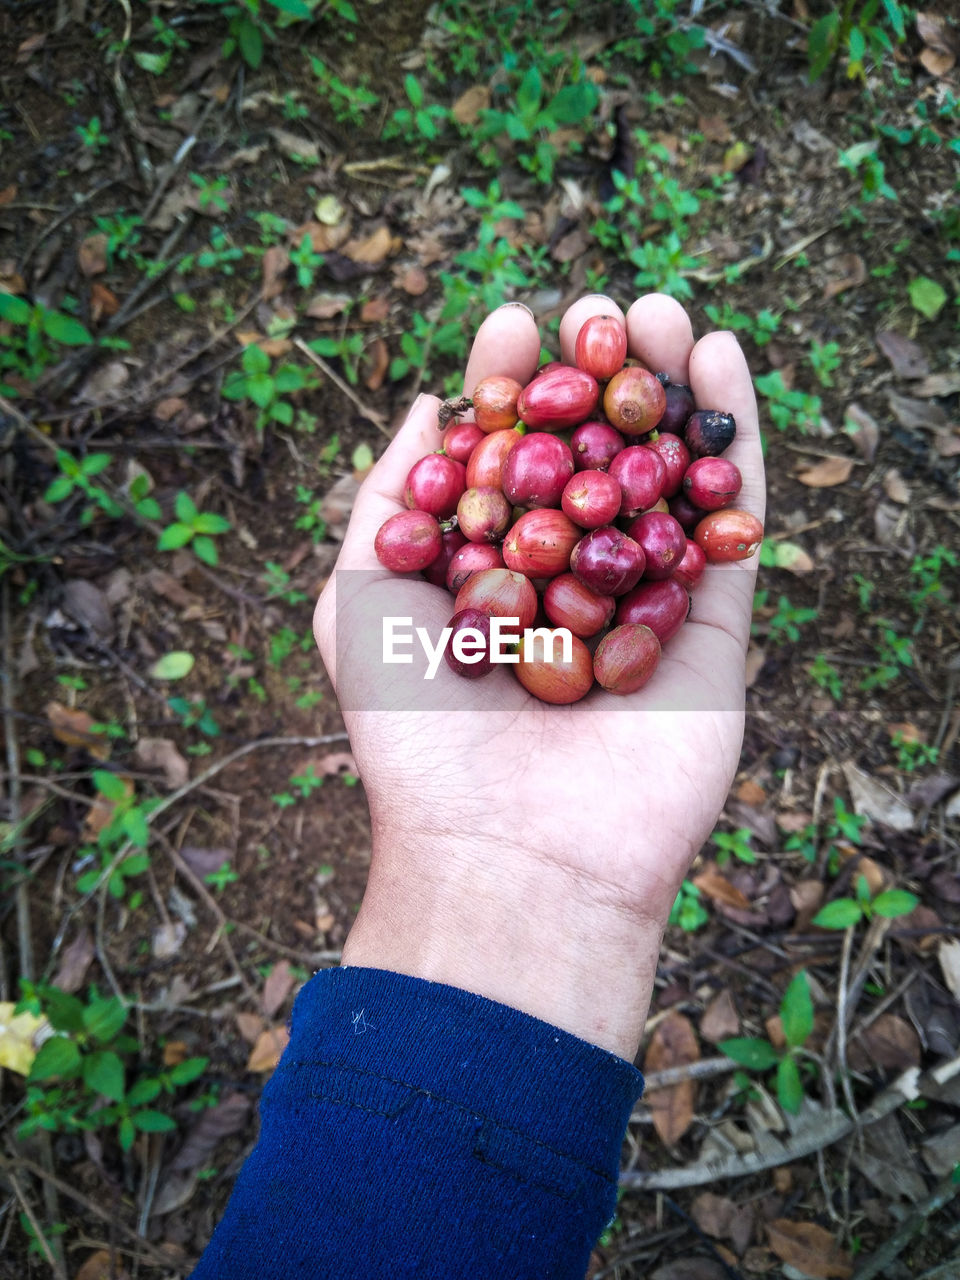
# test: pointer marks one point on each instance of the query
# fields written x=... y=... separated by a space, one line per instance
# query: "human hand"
x=529 y=852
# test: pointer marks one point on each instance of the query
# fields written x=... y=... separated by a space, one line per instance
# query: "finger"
x=660 y=334
x=721 y=380
x=595 y=304
x=507 y=343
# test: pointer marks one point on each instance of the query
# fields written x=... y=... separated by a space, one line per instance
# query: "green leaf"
x=127 y=1133
x=142 y=1091
x=155 y=63
x=261 y=389
x=414 y=90
x=103 y=1018
x=290 y=378
x=149 y=508
x=295 y=8
x=153 y=1121
x=530 y=92
x=189 y=1070
x=206 y=549
x=135 y=865
x=573 y=103
x=109 y=785
x=255 y=359
x=135 y=828
x=103 y=1073
x=759 y=1055
x=249 y=41
x=789 y=1085
x=57 y=1056
x=784 y=555
x=840 y=914
x=895 y=14
x=94 y=463
x=184 y=508
x=926 y=296
x=174 y=536
x=173 y=666
x=208 y=522
x=15 y=310
x=65 y=329
x=58 y=489
x=282 y=411
x=64 y=1010
x=821 y=42
x=893 y=903
x=362 y=458
x=796 y=1011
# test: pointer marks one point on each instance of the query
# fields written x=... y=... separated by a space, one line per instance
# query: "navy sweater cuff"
x=417 y=1129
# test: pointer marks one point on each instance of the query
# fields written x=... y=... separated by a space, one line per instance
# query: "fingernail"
x=522 y=305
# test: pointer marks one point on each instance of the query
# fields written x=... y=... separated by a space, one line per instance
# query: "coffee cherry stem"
x=452 y=408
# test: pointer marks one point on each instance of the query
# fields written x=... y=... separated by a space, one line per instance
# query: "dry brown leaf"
x=673 y=1044
x=75 y=960
x=948 y=954
x=751 y=792
x=908 y=358
x=947 y=442
x=266 y=1052
x=862 y=429
x=104 y=303
x=228 y=1116
x=851 y=272
x=414 y=281
x=715 y=129
x=250 y=1026
x=74 y=728
x=323 y=237
x=937 y=63
x=379 y=357
x=276 y=987
x=916 y=414
x=168 y=408
x=337 y=505
x=100 y=814
x=806 y=896
x=101 y=1266
x=713 y=1214
x=92 y=254
x=809 y=1248
x=375 y=311
x=830 y=471
x=694 y=1267
x=162 y=753
x=466 y=110
x=934 y=30
x=573 y=245
x=895 y=487
x=293 y=146
x=7 y=195
x=175 y=1052
x=330 y=765
x=327 y=305
x=719 y=889
x=275 y=262
x=720 y=1020
x=28 y=47
x=876 y=801
x=754 y=665
x=890 y=1043
x=373 y=248
x=937 y=384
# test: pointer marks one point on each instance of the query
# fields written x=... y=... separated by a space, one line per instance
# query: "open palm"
x=618 y=792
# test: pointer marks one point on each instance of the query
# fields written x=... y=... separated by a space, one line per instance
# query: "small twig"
x=20 y=1162
x=840 y=1025
x=371 y=415
x=815 y=1136
x=879 y=1264
x=24 y=932
x=177 y=162
x=174 y=797
x=701 y=1070
x=53 y=1262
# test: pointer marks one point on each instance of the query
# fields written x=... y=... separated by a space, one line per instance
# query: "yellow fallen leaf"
x=18 y=1032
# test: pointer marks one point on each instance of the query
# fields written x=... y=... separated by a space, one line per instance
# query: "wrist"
x=505 y=924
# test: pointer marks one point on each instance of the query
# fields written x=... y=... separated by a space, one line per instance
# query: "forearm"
x=514 y=927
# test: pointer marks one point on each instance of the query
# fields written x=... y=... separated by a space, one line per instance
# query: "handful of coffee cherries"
x=590 y=500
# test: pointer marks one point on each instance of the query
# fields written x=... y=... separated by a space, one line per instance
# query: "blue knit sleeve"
x=416 y=1130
